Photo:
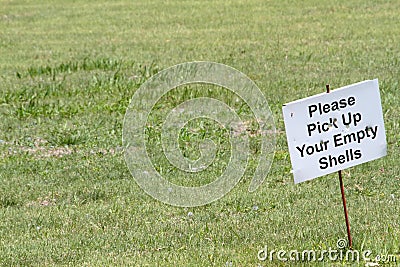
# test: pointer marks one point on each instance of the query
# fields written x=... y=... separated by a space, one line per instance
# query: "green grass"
x=68 y=72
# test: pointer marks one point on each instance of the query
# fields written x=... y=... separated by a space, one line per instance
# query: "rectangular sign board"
x=333 y=131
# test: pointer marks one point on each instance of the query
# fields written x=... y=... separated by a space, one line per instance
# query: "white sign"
x=333 y=131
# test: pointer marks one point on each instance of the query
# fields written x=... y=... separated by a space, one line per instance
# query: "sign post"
x=346 y=215
x=330 y=132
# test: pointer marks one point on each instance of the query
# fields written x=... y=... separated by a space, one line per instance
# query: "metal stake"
x=346 y=215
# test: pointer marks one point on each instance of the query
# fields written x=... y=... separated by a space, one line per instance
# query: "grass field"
x=67 y=73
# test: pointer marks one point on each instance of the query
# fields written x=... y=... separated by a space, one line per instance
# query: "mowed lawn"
x=68 y=70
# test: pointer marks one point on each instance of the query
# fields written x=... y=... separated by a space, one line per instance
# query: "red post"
x=346 y=215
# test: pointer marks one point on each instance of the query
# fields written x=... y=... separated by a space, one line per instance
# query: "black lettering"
x=337 y=138
x=301 y=150
x=325 y=126
x=326 y=108
x=346 y=122
x=357 y=154
x=374 y=131
x=347 y=138
x=333 y=122
x=312 y=109
x=342 y=159
x=310 y=128
x=351 y=101
x=360 y=136
x=322 y=108
x=356 y=118
x=349 y=155
x=321 y=146
x=310 y=150
x=342 y=103
x=335 y=105
x=322 y=163
x=331 y=160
